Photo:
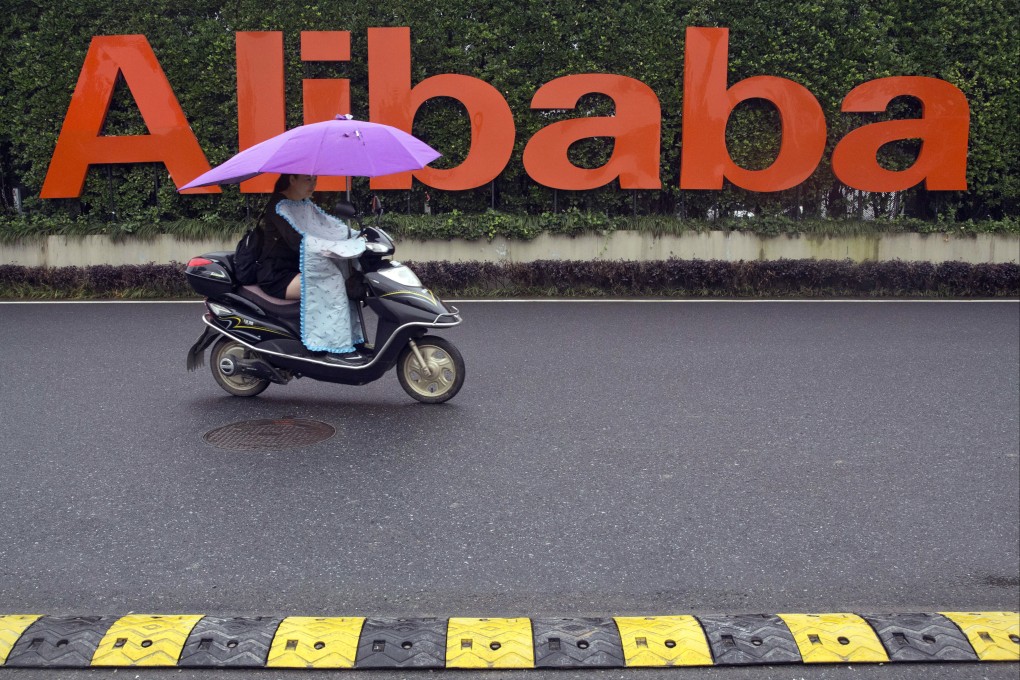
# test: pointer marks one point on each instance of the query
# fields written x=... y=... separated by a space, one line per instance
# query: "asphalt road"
x=603 y=459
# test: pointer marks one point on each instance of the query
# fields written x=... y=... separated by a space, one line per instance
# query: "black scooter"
x=256 y=339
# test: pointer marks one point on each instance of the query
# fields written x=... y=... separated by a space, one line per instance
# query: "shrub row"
x=716 y=278
x=675 y=278
x=98 y=281
x=492 y=224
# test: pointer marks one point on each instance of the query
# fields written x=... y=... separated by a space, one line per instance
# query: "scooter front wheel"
x=440 y=378
x=223 y=361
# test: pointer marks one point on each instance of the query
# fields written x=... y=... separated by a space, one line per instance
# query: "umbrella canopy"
x=342 y=147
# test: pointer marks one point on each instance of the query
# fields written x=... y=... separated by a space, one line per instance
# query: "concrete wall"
x=62 y=251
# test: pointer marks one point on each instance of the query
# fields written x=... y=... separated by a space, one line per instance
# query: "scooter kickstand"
x=420 y=358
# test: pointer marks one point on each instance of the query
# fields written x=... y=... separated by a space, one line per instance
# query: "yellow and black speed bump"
x=60 y=641
x=921 y=637
x=193 y=640
x=316 y=642
x=750 y=640
x=489 y=643
x=835 y=638
x=145 y=640
x=577 y=643
x=664 y=641
x=402 y=643
x=230 y=643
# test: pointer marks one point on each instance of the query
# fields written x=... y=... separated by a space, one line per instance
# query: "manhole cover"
x=269 y=435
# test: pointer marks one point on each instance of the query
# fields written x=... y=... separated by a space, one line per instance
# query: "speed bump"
x=577 y=643
x=921 y=637
x=750 y=640
x=663 y=641
x=145 y=640
x=60 y=641
x=402 y=643
x=995 y=636
x=835 y=638
x=11 y=628
x=300 y=642
x=234 y=643
x=489 y=643
x=316 y=642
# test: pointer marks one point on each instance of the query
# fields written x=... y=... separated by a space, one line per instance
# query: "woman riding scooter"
x=287 y=216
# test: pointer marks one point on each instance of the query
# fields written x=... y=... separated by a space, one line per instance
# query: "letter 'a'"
x=170 y=140
x=943 y=129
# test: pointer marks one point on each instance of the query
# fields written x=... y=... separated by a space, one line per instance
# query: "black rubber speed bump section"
x=921 y=637
x=577 y=643
x=402 y=643
x=750 y=639
x=60 y=642
x=230 y=642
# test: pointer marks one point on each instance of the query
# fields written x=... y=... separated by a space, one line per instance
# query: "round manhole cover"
x=269 y=435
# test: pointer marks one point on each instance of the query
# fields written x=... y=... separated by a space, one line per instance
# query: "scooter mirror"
x=345 y=209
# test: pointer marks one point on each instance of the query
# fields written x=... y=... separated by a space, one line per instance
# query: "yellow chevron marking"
x=489 y=643
x=316 y=642
x=11 y=628
x=835 y=638
x=663 y=641
x=145 y=640
x=995 y=636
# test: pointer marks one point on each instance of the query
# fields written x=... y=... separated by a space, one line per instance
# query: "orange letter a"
x=80 y=144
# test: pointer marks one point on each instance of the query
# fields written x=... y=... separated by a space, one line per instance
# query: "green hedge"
x=829 y=46
x=673 y=278
x=490 y=224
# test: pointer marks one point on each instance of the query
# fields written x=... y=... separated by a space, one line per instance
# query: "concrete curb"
x=65 y=251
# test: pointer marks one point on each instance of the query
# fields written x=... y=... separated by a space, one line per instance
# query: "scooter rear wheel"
x=445 y=374
x=224 y=353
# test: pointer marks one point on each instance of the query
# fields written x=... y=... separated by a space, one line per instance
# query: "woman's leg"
x=294 y=289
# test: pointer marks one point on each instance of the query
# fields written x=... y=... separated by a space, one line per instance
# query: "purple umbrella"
x=343 y=147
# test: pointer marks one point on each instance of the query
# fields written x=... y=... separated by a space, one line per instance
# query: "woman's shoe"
x=346 y=359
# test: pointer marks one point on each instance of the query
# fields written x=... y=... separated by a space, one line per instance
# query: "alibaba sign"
x=635 y=127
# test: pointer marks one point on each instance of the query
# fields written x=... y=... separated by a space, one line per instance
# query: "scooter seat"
x=285 y=309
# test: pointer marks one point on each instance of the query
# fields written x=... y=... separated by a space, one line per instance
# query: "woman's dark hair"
x=281 y=183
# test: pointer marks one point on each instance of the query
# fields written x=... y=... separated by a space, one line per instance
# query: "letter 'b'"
x=707 y=108
x=394 y=102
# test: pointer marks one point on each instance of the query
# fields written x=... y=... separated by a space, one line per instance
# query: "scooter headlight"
x=402 y=275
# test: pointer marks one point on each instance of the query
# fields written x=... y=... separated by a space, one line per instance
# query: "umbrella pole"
x=361 y=319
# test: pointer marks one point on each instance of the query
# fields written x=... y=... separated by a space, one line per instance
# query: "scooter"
x=256 y=339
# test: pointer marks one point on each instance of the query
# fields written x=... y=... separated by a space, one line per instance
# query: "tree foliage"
x=829 y=46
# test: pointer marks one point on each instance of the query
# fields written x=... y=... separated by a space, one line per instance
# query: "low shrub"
x=147 y=281
x=716 y=278
x=554 y=278
x=492 y=224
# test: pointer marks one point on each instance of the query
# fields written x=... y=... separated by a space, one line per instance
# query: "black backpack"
x=246 y=256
